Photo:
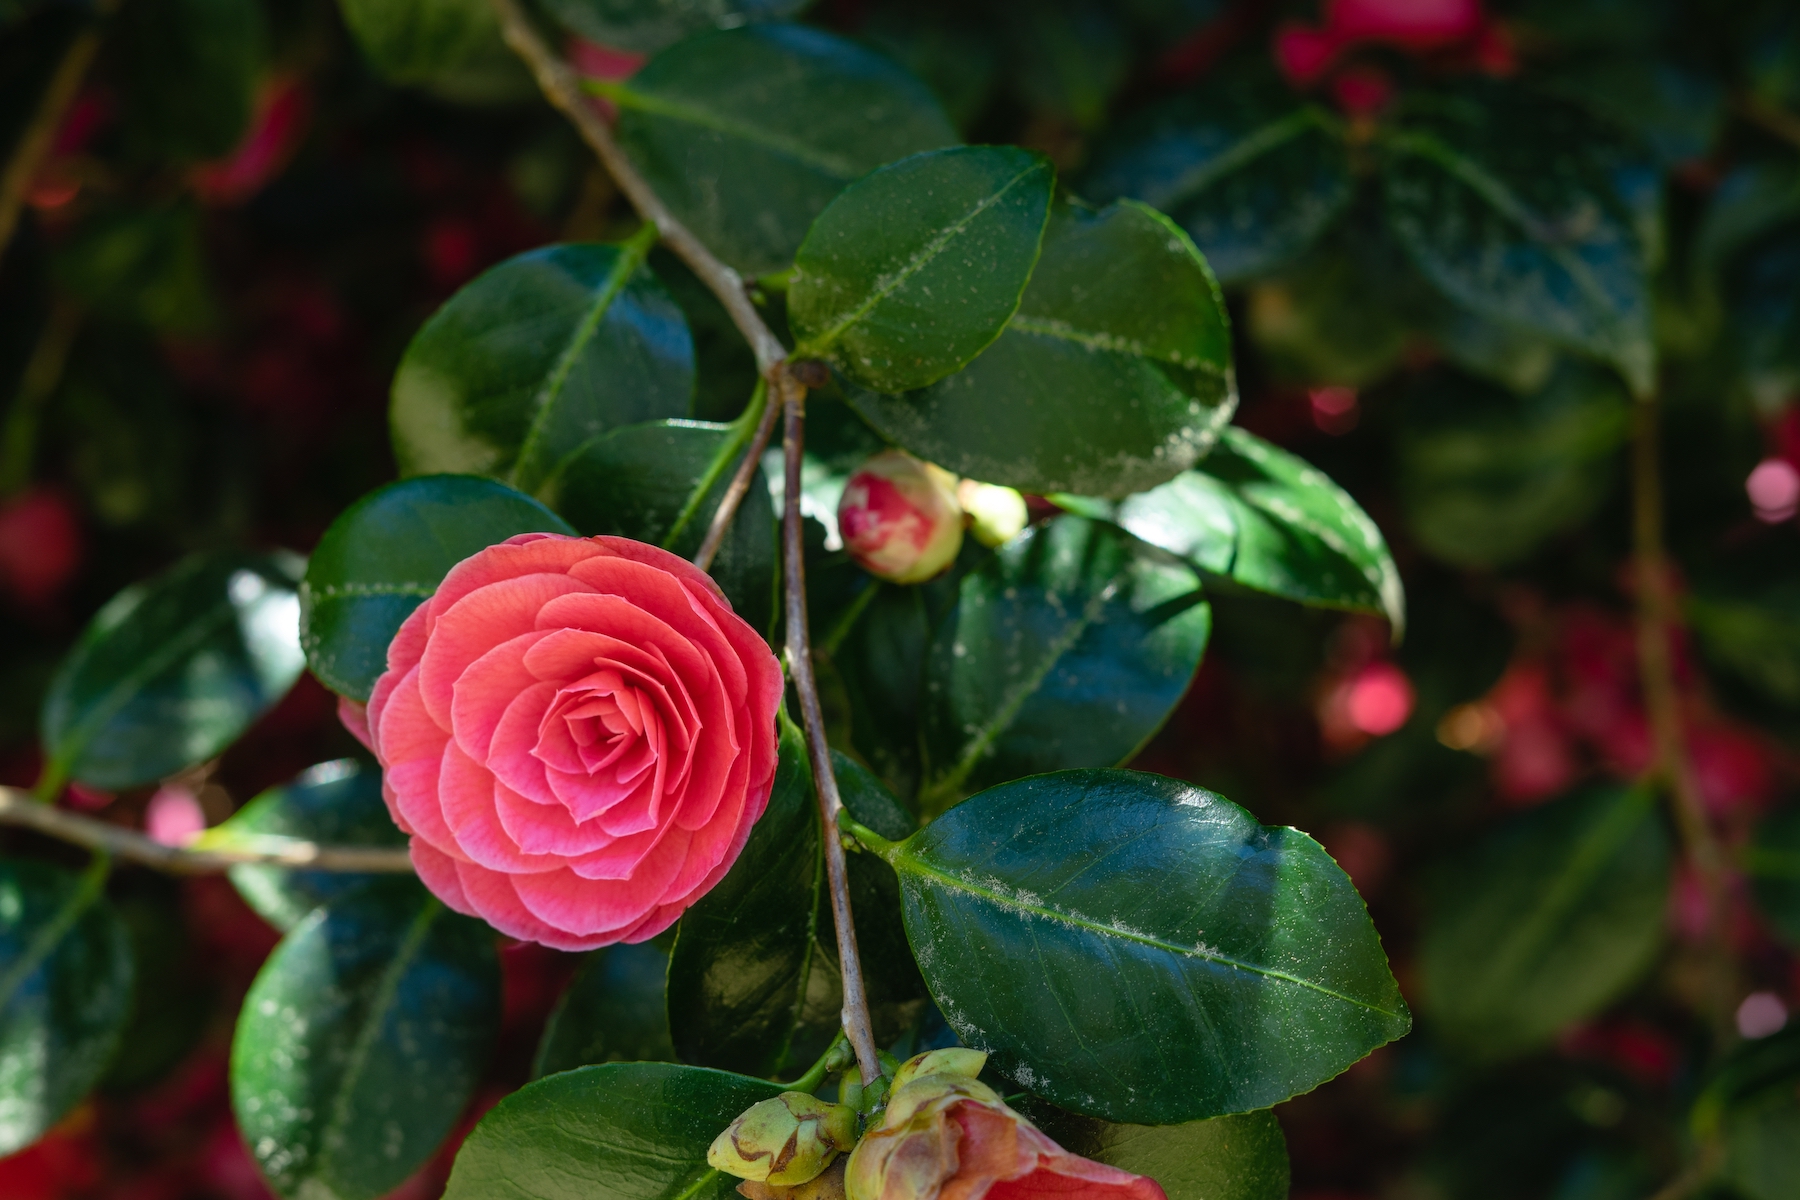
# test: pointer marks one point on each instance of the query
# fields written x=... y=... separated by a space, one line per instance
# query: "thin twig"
x=800 y=669
x=39 y=136
x=1662 y=700
x=562 y=87
x=19 y=808
x=740 y=485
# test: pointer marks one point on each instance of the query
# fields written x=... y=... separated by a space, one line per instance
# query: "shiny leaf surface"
x=172 y=670
x=1242 y=1157
x=1113 y=376
x=333 y=804
x=1067 y=648
x=747 y=134
x=387 y=553
x=621 y=1131
x=1522 y=210
x=452 y=48
x=613 y=1011
x=65 y=993
x=361 y=1041
x=1252 y=177
x=535 y=357
x=915 y=269
x=1546 y=922
x=661 y=482
x=1098 y=930
x=646 y=26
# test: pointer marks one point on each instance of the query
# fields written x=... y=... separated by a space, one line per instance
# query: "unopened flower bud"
x=996 y=514
x=899 y=518
x=786 y=1140
x=952 y=1060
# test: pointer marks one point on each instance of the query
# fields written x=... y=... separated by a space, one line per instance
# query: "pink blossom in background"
x=578 y=733
x=40 y=546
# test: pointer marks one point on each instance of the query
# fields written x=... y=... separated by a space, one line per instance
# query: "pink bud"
x=899 y=518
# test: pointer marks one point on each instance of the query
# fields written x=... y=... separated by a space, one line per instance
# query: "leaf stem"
x=1662 y=701
x=562 y=88
x=39 y=137
x=815 y=1074
x=23 y=810
x=856 y=1021
x=746 y=473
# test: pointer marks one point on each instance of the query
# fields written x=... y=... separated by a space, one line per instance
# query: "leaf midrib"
x=836 y=166
x=904 y=859
x=332 y=1135
x=1263 y=140
x=926 y=255
x=44 y=943
x=1054 y=327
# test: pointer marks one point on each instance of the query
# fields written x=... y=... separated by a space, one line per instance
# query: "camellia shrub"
x=768 y=690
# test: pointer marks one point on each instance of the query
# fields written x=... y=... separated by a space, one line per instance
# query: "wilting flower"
x=785 y=1140
x=899 y=518
x=578 y=733
x=948 y=1136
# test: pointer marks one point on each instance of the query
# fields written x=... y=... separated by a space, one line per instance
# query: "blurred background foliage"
x=248 y=207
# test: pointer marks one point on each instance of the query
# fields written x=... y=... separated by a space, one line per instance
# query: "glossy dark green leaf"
x=1773 y=864
x=361 y=1041
x=620 y=1131
x=1546 y=922
x=743 y=955
x=1240 y=1157
x=171 y=671
x=1252 y=176
x=190 y=70
x=1514 y=207
x=450 y=47
x=1068 y=648
x=915 y=269
x=387 y=553
x=1271 y=522
x=333 y=804
x=661 y=482
x=172 y=1004
x=646 y=26
x=754 y=969
x=1114 y=375
x=536 y=356
x=65 y=993
x=1485 y=476
x=1134 y=948
x=880 y=660
x=749 y=133
x=614 y=1010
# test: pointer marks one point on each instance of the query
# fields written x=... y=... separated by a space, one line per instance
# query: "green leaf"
x=744 y=951
x=190 y=71
x=65 y=993
x=171 y=671
x=1113 y=376
x=1252 y=176
x=754 y=965
x=387 y=553
x=1514 y=207
x=1773 y=864
x=1069 y=647
x=1271 y=522
x=613 y=1010
x=361 y=1041
x=621 y=1131
x=646 y=26
x=1134 y=948
x=1485 y=476
x=536 y=356
x=1546 y=922
x=141 y=265
x=915 y=269
x=333 y=804
x=1241 y=1157
x=881 y=662
x=747 y=134
x=661 y=482
x=450 y=47
x=1751 y=1110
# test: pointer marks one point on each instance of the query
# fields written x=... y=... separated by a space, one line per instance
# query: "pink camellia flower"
x=899 y=517
x=945 y=1135
x=578 y=733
